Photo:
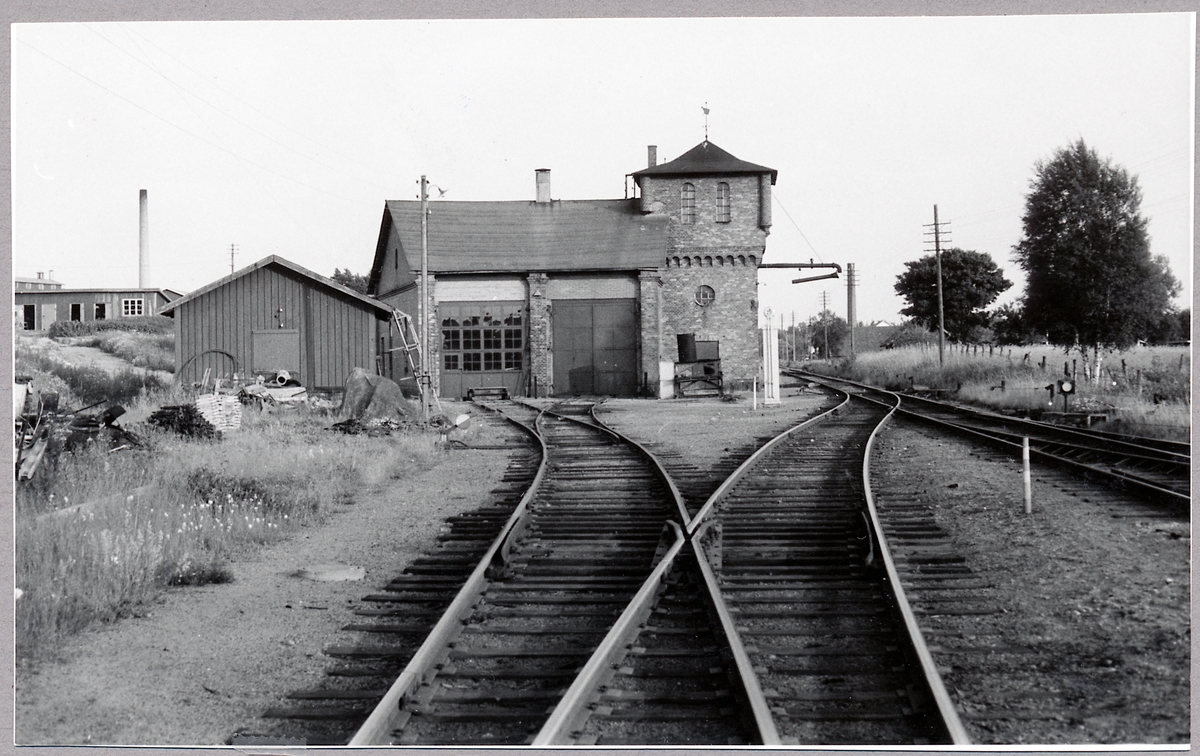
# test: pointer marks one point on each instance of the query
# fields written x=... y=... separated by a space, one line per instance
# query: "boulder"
x=372 y=397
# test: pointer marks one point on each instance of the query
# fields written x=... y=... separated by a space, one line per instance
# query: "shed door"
x=272 y=351
x=595 y=347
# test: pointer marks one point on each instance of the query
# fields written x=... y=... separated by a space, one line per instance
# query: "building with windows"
x=564 y=297
x=36 y=309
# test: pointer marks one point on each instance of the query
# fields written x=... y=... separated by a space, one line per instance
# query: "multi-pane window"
x=705 y=295
x=491 y=340
x=687 y=203
x=132 y=307
x=722 y=202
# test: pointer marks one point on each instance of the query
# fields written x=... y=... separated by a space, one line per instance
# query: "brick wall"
x=592 y=286
x=731 y=318
x=723 y=255
x=541 y=361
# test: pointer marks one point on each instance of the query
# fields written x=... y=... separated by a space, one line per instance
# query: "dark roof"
x=706 y=159
x=277 y=261
x=488 y=237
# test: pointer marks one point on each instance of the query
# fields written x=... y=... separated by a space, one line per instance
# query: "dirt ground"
x=205 y=662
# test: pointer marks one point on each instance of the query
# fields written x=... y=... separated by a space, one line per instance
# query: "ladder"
x=410 y=344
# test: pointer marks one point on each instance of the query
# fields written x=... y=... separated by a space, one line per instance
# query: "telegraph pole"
x=937 y=248
x=825 y=319
x=851 y=305
x=424 y=377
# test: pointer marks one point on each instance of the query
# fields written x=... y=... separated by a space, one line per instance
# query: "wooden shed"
x=276 y=315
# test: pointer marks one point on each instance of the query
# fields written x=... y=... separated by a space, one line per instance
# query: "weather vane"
x=704 y=107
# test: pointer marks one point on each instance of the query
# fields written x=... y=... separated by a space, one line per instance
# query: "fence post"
x=1025 y=475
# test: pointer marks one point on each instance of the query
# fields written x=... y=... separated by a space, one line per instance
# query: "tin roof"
x=276 y=260
x=562 y=235
x=706 y=159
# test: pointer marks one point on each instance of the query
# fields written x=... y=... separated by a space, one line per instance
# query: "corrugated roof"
x=706 y=159
x=280 y=262
x=572 y=235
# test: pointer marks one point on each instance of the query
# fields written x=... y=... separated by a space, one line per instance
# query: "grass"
x=82 y=385
x=179 y=513
x=1144 y=391
x=100 y=534
x=155 y=351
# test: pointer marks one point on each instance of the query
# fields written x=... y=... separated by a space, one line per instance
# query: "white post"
x=1025 y=473
x=770 y=363
x=755 y=406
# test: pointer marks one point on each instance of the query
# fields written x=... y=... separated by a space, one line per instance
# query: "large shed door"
x=595 y=347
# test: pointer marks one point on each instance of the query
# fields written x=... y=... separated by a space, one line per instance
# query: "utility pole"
x=825 y=319
x=792 y=334
x=851 y=308
x=424 y=377
x=232 y=252
x=937 y=248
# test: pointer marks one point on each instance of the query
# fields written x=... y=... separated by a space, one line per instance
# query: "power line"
x=263 y=113
x=775 y=196
x=180 y=128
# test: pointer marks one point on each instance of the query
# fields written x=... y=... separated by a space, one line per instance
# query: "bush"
x=148 y=324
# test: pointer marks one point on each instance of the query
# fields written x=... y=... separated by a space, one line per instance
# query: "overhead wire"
x=261 y=112
x=176 y=126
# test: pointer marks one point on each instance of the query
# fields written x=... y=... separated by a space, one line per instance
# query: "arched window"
x=722 y=202
x=687 y=204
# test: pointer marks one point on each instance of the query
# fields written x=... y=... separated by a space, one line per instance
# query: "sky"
x=287 y=137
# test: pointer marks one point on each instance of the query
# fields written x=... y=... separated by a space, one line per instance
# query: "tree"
x=970 y=282
x=1010 y=327
x=837 y=329
x=1091 y=280
x=350 y=280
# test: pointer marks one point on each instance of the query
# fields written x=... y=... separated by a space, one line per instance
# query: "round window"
x=705 y=295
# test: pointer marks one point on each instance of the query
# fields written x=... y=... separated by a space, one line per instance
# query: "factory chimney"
x=143 y=240
x=543 y=184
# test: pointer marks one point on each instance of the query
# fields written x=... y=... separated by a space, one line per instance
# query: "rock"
x=331 y=573
x=373 y=397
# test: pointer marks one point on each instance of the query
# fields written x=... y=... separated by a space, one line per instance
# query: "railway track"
x=581 y=548
x=1156 y=469
x=394 y=622
x=790 y=607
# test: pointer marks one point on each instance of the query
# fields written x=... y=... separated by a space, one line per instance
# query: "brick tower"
x=719 y=211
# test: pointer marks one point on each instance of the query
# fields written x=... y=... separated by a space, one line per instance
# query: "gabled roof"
x=277 y=261
x=706 y=159
x=494 y=237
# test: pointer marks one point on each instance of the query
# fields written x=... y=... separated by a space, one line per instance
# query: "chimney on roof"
x=543 y=184
x=143 y=239
x=651 y=156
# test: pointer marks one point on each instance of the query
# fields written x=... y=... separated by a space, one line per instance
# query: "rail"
x=376 y=728
x=945 y=705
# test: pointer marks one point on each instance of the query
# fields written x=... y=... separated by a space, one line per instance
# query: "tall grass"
x=82 y=385
x=106 y=533
x=155 y=351
x=1144 y=390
